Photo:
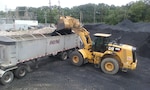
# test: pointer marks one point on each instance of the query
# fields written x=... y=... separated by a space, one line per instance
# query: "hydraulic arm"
x=74 y=24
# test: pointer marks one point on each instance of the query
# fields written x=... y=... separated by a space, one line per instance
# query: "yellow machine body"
x=115 y=55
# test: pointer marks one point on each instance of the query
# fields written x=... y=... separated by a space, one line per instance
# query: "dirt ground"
x=54 y=74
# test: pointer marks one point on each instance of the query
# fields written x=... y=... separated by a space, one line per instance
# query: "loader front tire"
x=76 y=58
x=110 y=66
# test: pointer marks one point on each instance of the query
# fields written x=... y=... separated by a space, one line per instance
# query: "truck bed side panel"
x=55 y=44
x=71 y=41
x=31 y=49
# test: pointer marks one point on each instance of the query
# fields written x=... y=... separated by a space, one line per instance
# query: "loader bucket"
x=67 y=23
x=60 y=25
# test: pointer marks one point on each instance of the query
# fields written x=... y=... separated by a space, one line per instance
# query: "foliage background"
x=138 y=11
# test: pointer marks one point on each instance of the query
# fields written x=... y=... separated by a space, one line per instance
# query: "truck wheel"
x=20 y=72
x=110 y=66
x=7 y=78
x=69 y=52
x=76 y=58
x=64 y=56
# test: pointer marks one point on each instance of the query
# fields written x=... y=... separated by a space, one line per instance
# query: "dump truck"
x=16 y=51
x=109 y=56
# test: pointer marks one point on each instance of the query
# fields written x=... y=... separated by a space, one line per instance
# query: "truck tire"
x=20 y=72
x=76 y=58
x=109 y=66
x=69 y=52
x=7 y=78
x=64 y=56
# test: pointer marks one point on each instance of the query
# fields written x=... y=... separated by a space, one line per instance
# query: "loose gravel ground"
x=54 y=74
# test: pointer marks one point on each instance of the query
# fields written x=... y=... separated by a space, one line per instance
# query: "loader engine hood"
x=119 y=47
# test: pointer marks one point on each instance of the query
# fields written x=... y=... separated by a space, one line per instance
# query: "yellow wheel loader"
x=110 y=57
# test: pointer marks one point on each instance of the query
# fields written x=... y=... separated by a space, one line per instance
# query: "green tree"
x=137 y=11
x=99 y=13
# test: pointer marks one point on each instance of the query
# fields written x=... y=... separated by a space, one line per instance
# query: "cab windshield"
x=100 y=44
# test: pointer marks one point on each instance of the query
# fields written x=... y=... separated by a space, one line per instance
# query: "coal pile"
x=135 y=34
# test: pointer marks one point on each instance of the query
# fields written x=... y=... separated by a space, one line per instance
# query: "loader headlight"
x=117 y=49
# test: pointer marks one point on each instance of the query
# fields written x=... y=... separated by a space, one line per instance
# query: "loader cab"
x=101 y=41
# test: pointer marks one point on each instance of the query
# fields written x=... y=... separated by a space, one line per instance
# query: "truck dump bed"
x=21 y=48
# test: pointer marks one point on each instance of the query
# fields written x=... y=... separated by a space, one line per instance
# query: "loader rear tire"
x=7 y=78
x=20 y=72
x=76 y=58
x=110 y=66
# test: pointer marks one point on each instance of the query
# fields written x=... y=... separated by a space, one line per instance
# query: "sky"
x=12 y=4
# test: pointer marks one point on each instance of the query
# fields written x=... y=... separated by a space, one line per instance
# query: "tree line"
x=95 y=13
